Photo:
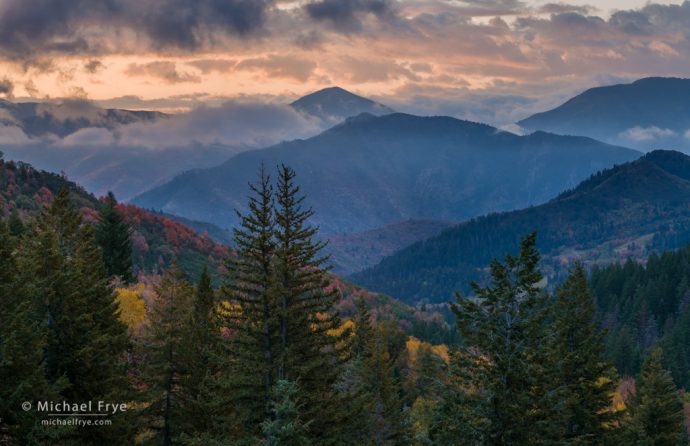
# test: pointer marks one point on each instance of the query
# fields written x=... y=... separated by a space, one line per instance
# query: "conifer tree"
x=311 y=347
x=113 y=236
x=496 y=391
x=286 y=427
x=283 y=319
x=86 y=342
x=655 y=411
x=207 y=404
x=252 y=311
x=583 y=380
x=22 y=340
x=387 y=422
x=167 y=356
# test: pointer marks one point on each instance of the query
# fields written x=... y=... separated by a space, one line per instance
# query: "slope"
x=629 y=210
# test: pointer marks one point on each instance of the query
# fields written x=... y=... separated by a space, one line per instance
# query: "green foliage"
x=641 y=305
x=167 y=352
x=283 y=312
x=656 y=410
x=113 y=236
x=22 y=340
x=286 y=427
x=499 y=367
x=65 y=300
x=583 y=379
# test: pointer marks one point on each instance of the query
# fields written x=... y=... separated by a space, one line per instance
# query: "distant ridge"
x=372 y=171
x=646 y=114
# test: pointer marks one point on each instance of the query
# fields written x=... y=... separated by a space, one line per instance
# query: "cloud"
x=161 y=69
x=346 y=15
x=640 y=134
x=10 y=134
x=560 y=8
x=232 y=124
x=275 y=65
x=94 y=66
x=6 y=87
x=207 y=66
x=31 y=30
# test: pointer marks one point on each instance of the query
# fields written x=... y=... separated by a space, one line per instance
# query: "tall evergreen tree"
x=252 y=312
x=387 y=421
x=312 y=346
x=167 y=357
x=113 y=236
x=22 y=340
x=86 y=341
x=655 y=411
x=283 y=317
x=583 y=380
x=496 y=391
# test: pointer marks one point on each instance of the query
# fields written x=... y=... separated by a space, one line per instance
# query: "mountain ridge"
x=629 y=210
x=371 y=171
x=649 y=113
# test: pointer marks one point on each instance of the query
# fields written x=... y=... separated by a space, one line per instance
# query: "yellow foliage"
x=413 y=344
x=132 y=307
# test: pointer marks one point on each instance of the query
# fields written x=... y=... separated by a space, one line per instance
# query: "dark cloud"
x=93 y=66
x=29 y=30
x=347 y=14
x=6 y=87
x=559 y=8
x=161 y=69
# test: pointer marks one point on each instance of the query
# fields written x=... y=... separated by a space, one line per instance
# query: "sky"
x=495 y=61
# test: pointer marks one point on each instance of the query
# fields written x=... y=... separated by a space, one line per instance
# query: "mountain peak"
x=334 y=104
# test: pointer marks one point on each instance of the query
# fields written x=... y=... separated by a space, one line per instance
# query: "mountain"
x=371 y=171
x=651 y=113
x=157 y=240
x=356 y=251
x=38 y=119
x=333 y=105
x=627 y=211
x=125 y=170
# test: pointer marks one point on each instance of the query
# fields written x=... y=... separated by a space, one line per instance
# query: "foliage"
x=656 y=410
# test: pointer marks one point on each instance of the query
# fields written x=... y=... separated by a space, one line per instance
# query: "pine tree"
x=113 y=236
x=282 y=315
x=22 y=339
x=167 y=356
x=655 y=411
x=86 y=341
x=312 y=346
x=496 y=391
x=252 y=311
x=583 y=380
x=286 y=427
x=387 y=424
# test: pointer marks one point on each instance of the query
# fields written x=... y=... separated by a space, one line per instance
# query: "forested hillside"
x=629 y=210
x=157 y=240
x=644 y=304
